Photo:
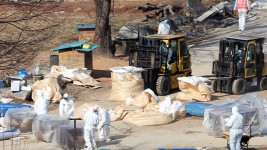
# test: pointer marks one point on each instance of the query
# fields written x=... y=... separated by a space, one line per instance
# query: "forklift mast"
x=231 y=58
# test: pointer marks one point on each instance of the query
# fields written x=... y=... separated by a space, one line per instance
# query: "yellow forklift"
x=164 y=58
x=241 y=65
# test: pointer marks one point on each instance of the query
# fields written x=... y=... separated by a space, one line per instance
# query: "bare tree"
x=24 y=27
x=102 y=31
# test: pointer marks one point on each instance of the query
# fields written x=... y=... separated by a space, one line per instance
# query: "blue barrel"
x=5 y=107
x=196 y=109
x=22 y=73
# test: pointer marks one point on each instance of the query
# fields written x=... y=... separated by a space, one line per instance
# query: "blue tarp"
x=5 y=107
x=84 y=26
x=195 y=108
x=78 y=47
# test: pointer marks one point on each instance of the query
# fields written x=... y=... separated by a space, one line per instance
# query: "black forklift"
x=241 y=65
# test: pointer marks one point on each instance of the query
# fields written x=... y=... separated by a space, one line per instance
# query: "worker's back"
x=90 y=120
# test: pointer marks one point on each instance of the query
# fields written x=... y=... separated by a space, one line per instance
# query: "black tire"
x=263 y=83
x=163 y=85
x=214 y=86
x=239 y=86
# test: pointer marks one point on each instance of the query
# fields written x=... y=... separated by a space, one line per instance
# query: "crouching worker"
x=90 y=123
x=103 y=127
x=66 y=107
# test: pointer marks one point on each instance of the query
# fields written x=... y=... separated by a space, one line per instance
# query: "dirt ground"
x=185 y=133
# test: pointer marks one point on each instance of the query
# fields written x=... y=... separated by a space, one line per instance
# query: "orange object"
x=241 y=4
x=235 y=13
x=156 y=28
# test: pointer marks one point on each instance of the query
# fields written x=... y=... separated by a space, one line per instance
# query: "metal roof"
x=84 y=26
x=72 y=45
x=244 y=37
x=78 y=46
x=164 y=36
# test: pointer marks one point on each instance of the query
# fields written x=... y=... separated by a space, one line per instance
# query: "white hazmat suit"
x=41 y=104
x=236 y=129
x=91 y=121
x=66 y=107
x=103 y=127
x=164 y=27
x=242 y=12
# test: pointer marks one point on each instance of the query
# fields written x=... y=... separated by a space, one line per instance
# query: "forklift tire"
x=239 y=86
x=263 y=83
x=163 y=85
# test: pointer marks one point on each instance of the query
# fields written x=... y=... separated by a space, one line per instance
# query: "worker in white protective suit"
x=91 y=121
x=164 y=27
x=103 y=126
x=242 y=6
x=235 y=123
x=66 y=107
x=41 y=104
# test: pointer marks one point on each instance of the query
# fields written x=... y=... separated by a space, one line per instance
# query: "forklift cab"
x=240 y=58
x=173 y=51
x=165 y=58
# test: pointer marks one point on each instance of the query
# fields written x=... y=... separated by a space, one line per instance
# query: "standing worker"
x=243 y=7
x=91 y=121
x=66 y=106
x=104 y=122
x=164 y=27
x=235 y=124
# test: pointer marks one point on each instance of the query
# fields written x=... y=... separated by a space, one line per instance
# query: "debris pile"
x=159 y=11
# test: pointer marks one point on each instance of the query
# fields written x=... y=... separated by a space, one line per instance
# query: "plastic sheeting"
x=126 y=82
x=175 y=108
x=20 y=118
x=63 y=137
x=251 y=106
x=9 y=134
x=44 y=125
